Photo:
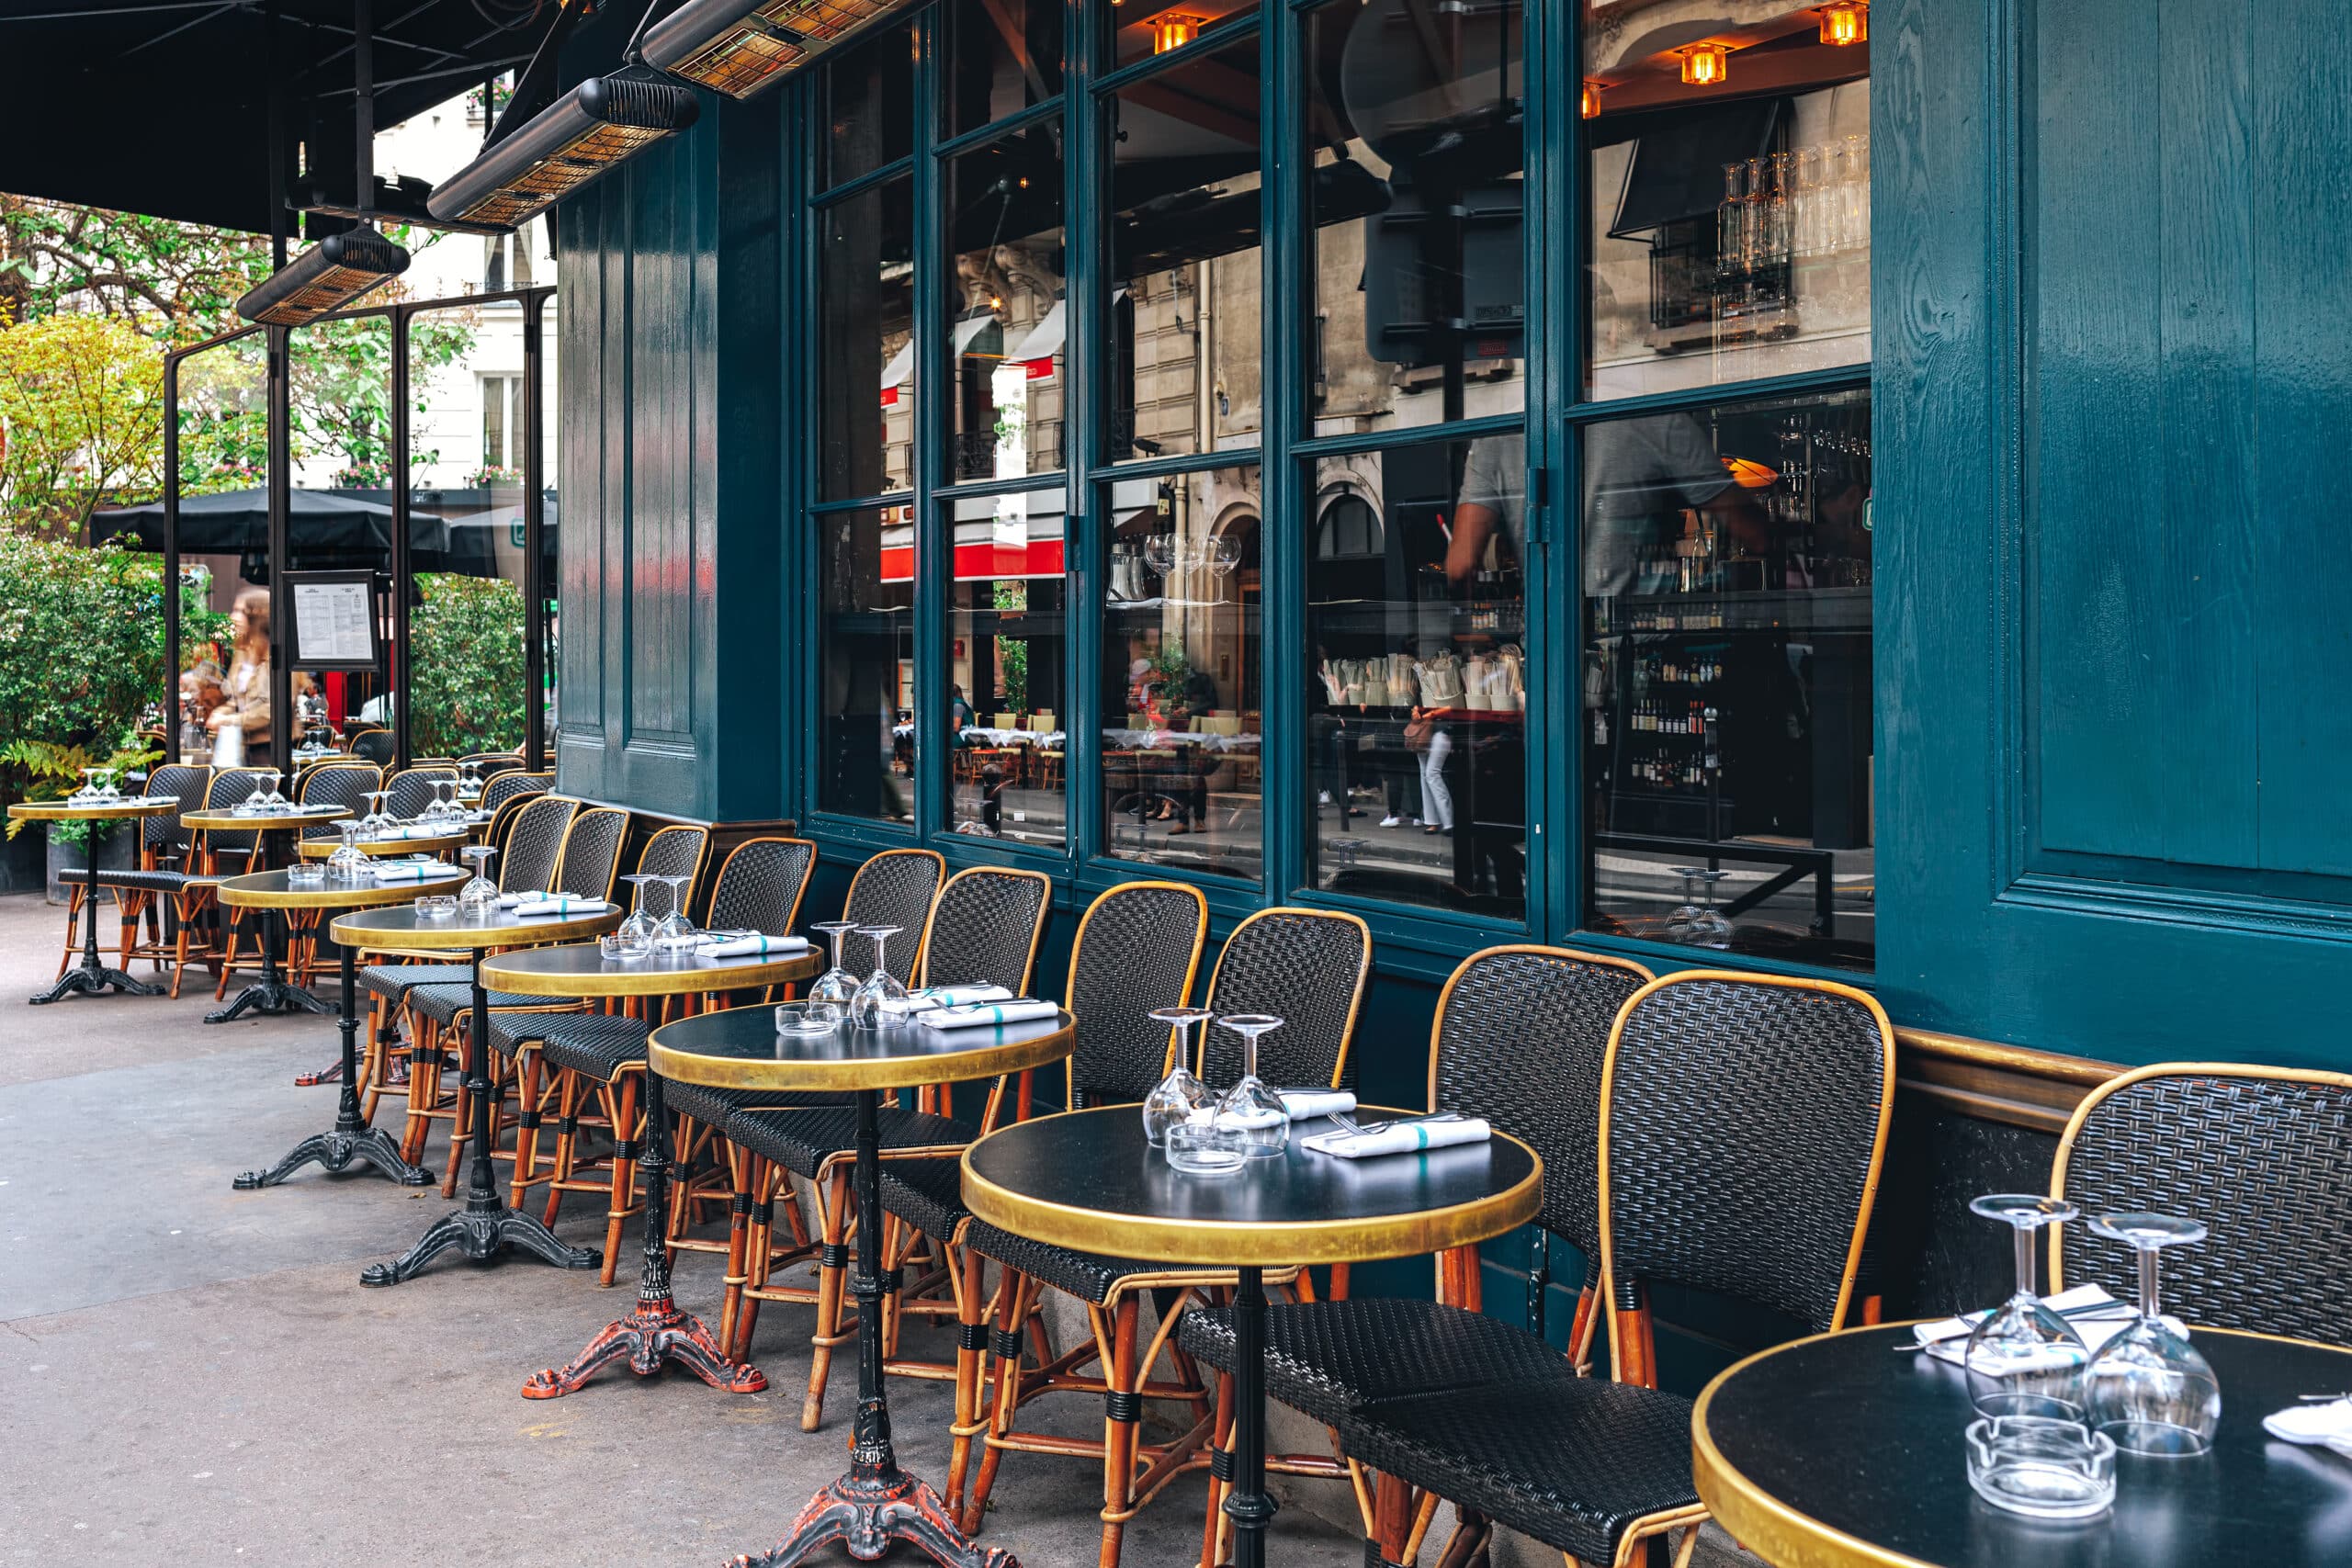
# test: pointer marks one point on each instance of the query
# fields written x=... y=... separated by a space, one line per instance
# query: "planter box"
x=24 y=861
x=117 y=850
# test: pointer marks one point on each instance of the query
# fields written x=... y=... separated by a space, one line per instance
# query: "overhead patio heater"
x=739 y=47
x=530 y=163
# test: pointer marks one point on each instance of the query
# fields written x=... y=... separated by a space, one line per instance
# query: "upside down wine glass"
x=1250 y=1105
x=2148 y=1388
x=1180 y=1094
x=676 y=931
x=348 y=864
x=478 y=896
x=2024 y=1359
x=882 y=995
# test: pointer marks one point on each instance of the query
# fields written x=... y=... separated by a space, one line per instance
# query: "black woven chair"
x=157 y=885
x=410 y=791
x=896 y=887
x=330 y=784
x=491 y=764
x=1743 y=1120
x=498 y=790
x=1310 y=966
x=983 y=928
x=2262 y=1156
x=224 y=853
x=372 y=746
x=1520 y=1038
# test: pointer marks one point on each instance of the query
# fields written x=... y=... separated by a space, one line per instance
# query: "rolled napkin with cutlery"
x=410 y=871
x=1019 y=1009
x=2095 y=1315
x=756 y=944
x=515 y=900
x=1307 y=1104
x=564 y=904
x=410 y=830
x=2322 y=1423
x=931 y=998
x=1411 y=1136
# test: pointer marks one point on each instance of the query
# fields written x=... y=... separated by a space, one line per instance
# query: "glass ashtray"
x=618 y=949
x=308 y=874
x=807 y=1018
x=1207 y=1147
x=437 y=907
x=2046 y=1468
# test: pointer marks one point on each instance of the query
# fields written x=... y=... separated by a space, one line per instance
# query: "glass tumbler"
x=2148 y=1388
x=2024 y=1359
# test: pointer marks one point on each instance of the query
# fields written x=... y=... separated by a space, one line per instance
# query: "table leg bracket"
x=337 y=1151
x=656 y=1332
x=93 y=981
x=481 y=1234
x=865 y=1513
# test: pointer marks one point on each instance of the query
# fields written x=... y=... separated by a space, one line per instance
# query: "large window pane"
x=1416 y=134
x=869 y=106
x=223 y=418
x=1181 y=681
x=1417 y=697
x=1727 y=677
x=865 y=294
x=865 y=661
x=1006 y=317
x=1003 y=740
x=1730 y=218
x=1185 y=307
x=1002 y=56
x=1141 y=28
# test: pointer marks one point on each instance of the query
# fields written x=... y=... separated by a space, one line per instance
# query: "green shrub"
x=466 y=666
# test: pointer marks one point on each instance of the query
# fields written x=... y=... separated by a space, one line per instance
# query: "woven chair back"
x=492 y=764
x=534 y=843
x=1308 y=968
x=761 y=883
x=671 y=852
x=345 y=785
x=591 y=853
x=229 y=787
x=894 y=889
x=1521 y=1035
x=985 y=926
x=1138 y=948
x=1743 y=1123
x=410 y=791
x=375 y=746
x=2262 y=1157
x=167 y=835
x=498 y=791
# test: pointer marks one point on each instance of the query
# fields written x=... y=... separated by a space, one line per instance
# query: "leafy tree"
x=177 y=281
x=466 y=666
x=81 y=418
x=80 y=644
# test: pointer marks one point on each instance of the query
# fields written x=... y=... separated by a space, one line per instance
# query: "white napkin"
x=410 y=871
x=409 y=831
x=2095 y=1315
x=563 y=904
x=515 y=900
x=757 y=945
x=931 y=998
x=1021 y=1009
x=2327 y=1424
x=1307 y=1104
x=1405 y=1138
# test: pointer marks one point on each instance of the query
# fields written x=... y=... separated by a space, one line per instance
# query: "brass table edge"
x=222 y=821
x=61 y=811
x=376 y=896
x=888 y=1072
x=455 y=938
x=1236 y=1245
x=744 y=977
x=321 y=849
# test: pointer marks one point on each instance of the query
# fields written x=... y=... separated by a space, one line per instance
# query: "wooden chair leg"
x=460 y=1125
x=72 y=919
x=627 y=1130
x=527 y=1129
x=972 y=1314
x=569 y=1089
x=832 y=1278
x=763 y=1180
x=1220 y=1436
x=1119 y=1433
x=1014 y=1295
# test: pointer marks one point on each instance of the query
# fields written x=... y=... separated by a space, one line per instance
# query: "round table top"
x=1088 y=1179
x=90 y=810
x=582 y=970
x=321 y=849
x=267 y=890
x=400 y=931
x=740 y=1048
x=1836 y=1450
x=277 y=821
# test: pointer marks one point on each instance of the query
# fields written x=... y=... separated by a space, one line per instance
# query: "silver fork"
x=1348 y=1125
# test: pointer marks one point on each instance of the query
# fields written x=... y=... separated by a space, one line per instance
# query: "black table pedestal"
x=876 y=1502
x=485 y=1226
x=273 y=993
x=351 y=1139
x=656 y=1331
x=1247 y=1505
x=90 y=975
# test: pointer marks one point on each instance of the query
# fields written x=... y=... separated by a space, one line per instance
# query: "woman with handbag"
x=240 y=725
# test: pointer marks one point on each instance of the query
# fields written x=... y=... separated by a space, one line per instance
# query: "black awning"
x=326 y=531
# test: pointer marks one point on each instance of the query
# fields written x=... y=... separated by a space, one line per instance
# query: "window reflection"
x=1142 y=28
x=1186 y=307
x=1003 y=731
x=867 y=741
x=1007 y=318
x=1416 y=133
x=869 y=106
x=1730 y=224
x=866 y=294
x=1002 y=56
x=1418 y=687
x=1727 y=677
x=1180 y=700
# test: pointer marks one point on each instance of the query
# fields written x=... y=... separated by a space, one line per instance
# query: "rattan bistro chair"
x=410 y=791
x=1520 y=1035
x=983 y=928
x=330 y=784
x=2262 y=1156
x=1309 y=968
x=501 y=788
x=1743 y=1123
x=157 y=887
x=375 y=746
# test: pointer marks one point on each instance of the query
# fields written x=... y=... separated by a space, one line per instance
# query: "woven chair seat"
x=1572 y=1463
x=394 y=981
x=926 y=1193
x=802 y=1140
x=442 y=1002
x=1330 y=1359
x=712 y=1107
x=592 y=1044
x=142 y=880
x=1089 y=1276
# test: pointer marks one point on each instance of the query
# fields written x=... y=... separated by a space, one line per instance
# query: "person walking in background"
x=1426 y=735
x=240 y=725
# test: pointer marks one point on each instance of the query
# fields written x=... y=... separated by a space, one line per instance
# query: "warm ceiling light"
x=325 y=278
x=738 y=47
x=1172 y=30
x=1844 y=22
x=1589 y=106
x=585 y=133
x=1705 y=64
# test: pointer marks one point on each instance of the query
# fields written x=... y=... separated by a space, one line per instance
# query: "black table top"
x=582 y=970
x=1088 y=1179
x=740 y=1048
x=1838 y=1450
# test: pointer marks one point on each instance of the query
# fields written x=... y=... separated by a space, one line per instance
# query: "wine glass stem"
x=2025 y=1260
x=1249 y=1056
x=837 y=948
x=2150 y=1307
x=881 y=965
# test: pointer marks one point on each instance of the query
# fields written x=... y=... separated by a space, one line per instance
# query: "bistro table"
x=1088 y=1179
x=484 y=1226
x=1837 y=1449
x=656 y=1330
x=422 y=844
x=352 y=1138
x=876 y=1503
x=90 y=975
x=273 y=993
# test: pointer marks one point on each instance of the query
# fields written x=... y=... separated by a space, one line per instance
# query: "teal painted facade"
x=2111 y=399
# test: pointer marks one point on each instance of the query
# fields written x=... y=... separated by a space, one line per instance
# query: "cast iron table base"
x=485 y=1226
x=273 y=993
x=876 y=1502
x=351 y=1139
x=89 y=975
x=656 y=1331
x=1247 y=1505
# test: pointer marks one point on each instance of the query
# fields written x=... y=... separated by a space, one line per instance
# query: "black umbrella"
x=326 y=531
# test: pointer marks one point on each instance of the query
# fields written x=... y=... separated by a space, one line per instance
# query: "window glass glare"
x=1007 y=318
x=1005 y=641
x=1416 y=139
x=1001 y=57
x=867 y=742
x=869 y=106
x=866 y=351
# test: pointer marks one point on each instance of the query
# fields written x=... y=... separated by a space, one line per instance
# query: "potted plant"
x=52 y=772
